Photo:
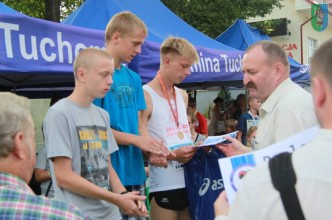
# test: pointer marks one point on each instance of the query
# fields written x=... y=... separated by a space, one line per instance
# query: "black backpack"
x=284 y=179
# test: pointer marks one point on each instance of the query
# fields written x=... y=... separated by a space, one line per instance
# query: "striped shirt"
x=17 y=201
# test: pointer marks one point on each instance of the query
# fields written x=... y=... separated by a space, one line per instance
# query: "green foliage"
x=68 y=6
x=212 y=17
x=266 y=26
x=206 y=111
x=37 y=8
x=33 y=8
x=225 y=94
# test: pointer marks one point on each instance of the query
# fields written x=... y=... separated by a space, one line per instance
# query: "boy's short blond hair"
x=86 y=57
x=124 y=23
x=178 y=46
x=321 y=62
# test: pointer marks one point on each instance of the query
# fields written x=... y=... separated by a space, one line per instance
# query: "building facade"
x=301 y=38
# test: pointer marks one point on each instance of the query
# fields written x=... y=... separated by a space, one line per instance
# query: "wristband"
x=124 y=192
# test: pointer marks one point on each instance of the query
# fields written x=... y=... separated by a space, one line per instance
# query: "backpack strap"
x=284 y=179
x=48 y=188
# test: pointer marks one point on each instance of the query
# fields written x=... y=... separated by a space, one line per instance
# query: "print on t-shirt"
x=93 y=143
x=125 y=95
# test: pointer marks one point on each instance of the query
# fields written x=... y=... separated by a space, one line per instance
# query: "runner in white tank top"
x=166 y=119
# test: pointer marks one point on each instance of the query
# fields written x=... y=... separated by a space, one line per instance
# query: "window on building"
x=312 y=45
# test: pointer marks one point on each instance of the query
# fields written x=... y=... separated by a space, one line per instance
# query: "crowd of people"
x=98 y=138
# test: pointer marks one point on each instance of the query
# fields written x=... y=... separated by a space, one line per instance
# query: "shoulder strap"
x=48 y=188
x=284 y=179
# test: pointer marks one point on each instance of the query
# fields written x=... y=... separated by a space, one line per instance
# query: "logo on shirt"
x=215 y=185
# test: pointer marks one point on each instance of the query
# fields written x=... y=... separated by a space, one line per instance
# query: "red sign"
x=289 y=47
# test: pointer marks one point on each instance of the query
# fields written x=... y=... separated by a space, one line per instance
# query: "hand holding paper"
x=184 y=154
x=213 y=140
x=233 y=147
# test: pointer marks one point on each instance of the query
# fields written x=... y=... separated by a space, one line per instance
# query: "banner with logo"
x=35 y=52
x=37 y=49
x=233 y=169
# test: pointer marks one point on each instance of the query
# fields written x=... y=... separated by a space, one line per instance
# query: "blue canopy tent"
x=5 y=9
x=36 y=54
x=241 y=35
x=219 y=64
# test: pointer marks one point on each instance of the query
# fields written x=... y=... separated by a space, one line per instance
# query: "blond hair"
x=124 y=23
x=85 y=58
x=251 y=130
x=15 y=116
x=178 y=46
x=231 y=123
x=321 y=61
x=250 y=98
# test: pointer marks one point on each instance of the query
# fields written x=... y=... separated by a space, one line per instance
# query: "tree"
x=212 y=17
x=52 y=10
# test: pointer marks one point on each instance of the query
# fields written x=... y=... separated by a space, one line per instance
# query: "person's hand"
x=153 y=146
x=158 y=160
x=235 y=147
x=221 y=206
x=131 y=203
x=205 y=148
x=142 y=207
x=199 y=143
x=184 y=154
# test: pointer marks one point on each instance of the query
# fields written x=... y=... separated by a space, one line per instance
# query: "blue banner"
x=213 y=66
x=34 y=46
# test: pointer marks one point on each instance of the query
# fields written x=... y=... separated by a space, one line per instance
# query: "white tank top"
x=163 y=126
